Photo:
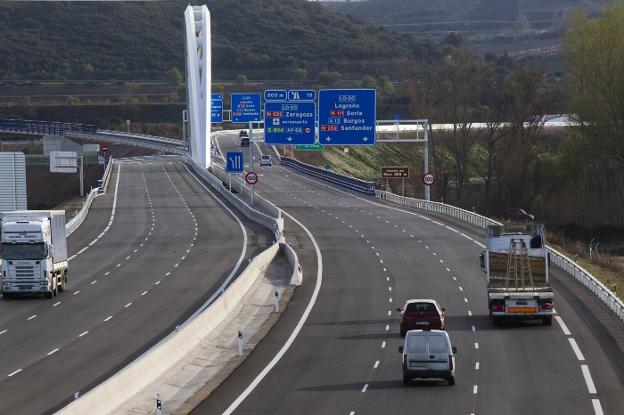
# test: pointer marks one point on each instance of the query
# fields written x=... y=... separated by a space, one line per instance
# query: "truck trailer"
x=34 y=252
x=516 y=262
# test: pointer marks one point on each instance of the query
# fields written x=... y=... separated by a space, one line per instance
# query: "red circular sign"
x=429 y=179
x=307 y=130
x=251 y=178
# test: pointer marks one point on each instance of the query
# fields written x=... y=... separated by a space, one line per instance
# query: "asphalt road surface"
x=169 y=245
x=375 y=256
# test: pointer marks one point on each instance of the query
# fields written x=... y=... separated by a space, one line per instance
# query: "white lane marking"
x=118 y=265
x=127 y=305
x=434 y=254
x=72 y=257
x=140 y=244
x=389 y=313
x=465 y=300
x=576 y=349
x=475 y=388
x=381 y=261
x=476 y=345
x=93 y=282
x=76 y=292
x=376 y=365
x=128 y=257
x=477 y=366
x=82 y=250
x=389 y=288
x=15 y=372
x=390 y=299
x=441 y=261
x=387 y=327
x=563 y=326
x=157 y=282
x=469 y=313
x=108 y=318
x=55 y=304
x=474 y=328
x=385 y=270
x=167 y=274
x=94 y=241
x=3 y=331
x=51 y=352
x=454 y=278
x=426 y=246
x=107 y=273
x=365 y=388
x=176 y=265
x=448 y=269
x=84 y=333
x=143 y=293
x=31 y=317
x=461 y=289
x=412 y=236
x=588 y=379
x=383 y=345
x=597 y=407
x=377 y=253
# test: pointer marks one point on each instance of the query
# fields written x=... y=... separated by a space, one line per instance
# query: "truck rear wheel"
x=497 y=320
x=547 y=321
x=7 y=296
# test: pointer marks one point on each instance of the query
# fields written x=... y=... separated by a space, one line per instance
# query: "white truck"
x=516 y=262
x=34 y=252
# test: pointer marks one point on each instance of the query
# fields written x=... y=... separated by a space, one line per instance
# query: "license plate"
x=419 y=364
x=422 y=323
x=522 y=309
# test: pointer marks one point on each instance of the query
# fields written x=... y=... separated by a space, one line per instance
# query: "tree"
x=385 y=84
x=72 y=100
x=300 y=74
x=241 y=79
x=329 y=77
x=368 y=82
x=594 y=51
x=174 y=76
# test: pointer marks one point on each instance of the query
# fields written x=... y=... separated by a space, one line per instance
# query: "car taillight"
x=546 y=306
x=450 y=362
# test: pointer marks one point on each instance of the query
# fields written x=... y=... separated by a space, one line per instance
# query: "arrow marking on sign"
x=327 y=138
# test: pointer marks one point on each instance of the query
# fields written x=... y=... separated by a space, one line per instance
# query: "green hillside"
x=495 y=25
x=263 y=39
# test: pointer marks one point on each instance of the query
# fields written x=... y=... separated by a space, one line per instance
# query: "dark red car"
x=421 y=314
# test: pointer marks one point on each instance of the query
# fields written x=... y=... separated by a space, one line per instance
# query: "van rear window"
x=437 y=344
x=417 y=344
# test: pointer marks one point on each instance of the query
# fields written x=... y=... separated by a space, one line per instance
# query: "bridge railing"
x=77 y=220
x=347 y=182
x=585 y=277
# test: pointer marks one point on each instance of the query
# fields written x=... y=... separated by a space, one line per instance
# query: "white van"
x=428 y=354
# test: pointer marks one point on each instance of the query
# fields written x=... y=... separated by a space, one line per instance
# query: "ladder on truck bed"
x=518 y=266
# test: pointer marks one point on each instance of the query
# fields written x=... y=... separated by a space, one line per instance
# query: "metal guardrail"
x=565 y=263
x=347 y=182
x=153 y=142
x=73 y=224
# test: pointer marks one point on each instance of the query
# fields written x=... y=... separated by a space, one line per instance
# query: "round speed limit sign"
x=251 y=178
x=429 y=179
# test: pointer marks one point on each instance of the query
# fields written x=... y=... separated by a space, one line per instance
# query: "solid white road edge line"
x=597 y=407
x=576 y=349
x=563 y=326
x=295 y=333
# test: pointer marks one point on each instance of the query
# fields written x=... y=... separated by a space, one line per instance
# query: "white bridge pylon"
x=198 y=81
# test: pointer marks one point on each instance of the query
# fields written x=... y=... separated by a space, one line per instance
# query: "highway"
x=149 y=254
x=374 y=256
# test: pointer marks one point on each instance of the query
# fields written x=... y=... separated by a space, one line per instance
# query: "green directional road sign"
x=309 y=147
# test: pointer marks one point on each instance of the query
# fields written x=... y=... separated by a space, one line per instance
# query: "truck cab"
x=34 y=253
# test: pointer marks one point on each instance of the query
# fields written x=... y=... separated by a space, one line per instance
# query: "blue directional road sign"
x=289 y=122
x=347 y=116
x=246 y=108
x=234 y=162
x=275 y=95
x=301 y=95
x=216 y=108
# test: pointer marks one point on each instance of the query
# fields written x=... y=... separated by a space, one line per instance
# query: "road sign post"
x=252 y=178
x=347 y=116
